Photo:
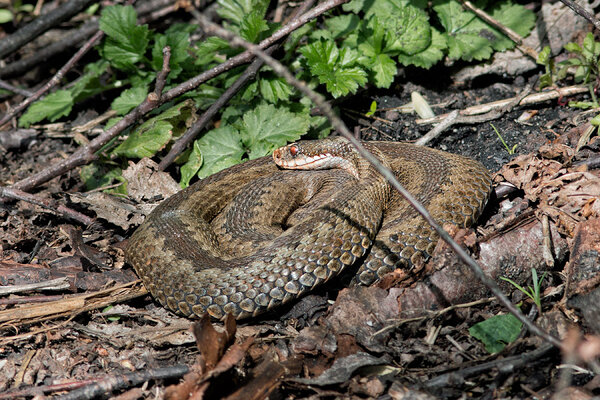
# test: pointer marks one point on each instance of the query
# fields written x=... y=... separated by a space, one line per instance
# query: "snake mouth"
x=318 y=161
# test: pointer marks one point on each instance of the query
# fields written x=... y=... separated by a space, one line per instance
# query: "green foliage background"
x=362 y=43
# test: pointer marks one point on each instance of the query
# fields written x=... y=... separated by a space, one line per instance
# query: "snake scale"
x=255 y=236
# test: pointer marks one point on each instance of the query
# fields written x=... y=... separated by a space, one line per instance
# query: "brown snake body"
x=253 y=236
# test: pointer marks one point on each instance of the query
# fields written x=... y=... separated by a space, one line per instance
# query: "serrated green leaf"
x=145 y=143
x=384 y=70
x=372 y=47
x=409 y=27
x=513 y=16
x=191 y=166
x=430 y=56
x=129 y=99
x=497 y=331
x=126 y=42
x=268 y=127
x=52 y=107
x=333 y=67
x=252 y=26
x=274 y=89
x=220 y=148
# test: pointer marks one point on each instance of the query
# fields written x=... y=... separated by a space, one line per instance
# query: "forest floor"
x=75 y=319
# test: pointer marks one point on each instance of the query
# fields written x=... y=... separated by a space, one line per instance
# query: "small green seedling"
x=534 y=292
x=511 y=150
x=372 y=109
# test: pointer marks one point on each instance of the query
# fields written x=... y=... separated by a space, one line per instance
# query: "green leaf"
x=147 y=142
x=52 y=107
x=334 y=67
x=208 y=51
x=126 y=42
x=430 y=56
x=192 y=165
x=274 y=89
x=237 y=10
x=342 y=25
x=497 y=331
x=151 y=136
x=409 y=27
x=544 y=56
x=220 y=148
x=252 y=26
x=573 y=48
x=5 y=16
x=463 y=32
x=372 y=47
x=129 y=99
x=268 y=127
x=513 y=16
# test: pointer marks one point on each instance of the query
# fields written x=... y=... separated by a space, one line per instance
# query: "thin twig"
x=146 y=10
x=534 y=98
x=55 y=79
x=47 y=204
x=339 y=125
x=14 y=89
x=437 y=131
x=514 y=36
x=41 y=25
x=119 y=382
x=583 y=12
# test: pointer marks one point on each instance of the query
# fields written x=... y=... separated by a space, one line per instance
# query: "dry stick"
x=339 y=125
x=118 y=382
x=582 y=11
x=439 y=128
x=250 y=72
x=40 y=25
x=85 y=154
x=14 y=89
x=497 y=105
x=55 y=79
x=514 y=36
x=74 y=38
x=47 y=204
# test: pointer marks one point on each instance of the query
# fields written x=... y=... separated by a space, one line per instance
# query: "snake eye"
x=293 y=150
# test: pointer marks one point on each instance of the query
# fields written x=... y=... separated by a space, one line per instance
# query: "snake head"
x=328 y=153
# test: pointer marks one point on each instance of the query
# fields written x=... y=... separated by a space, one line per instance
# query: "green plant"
x=534 y=293
x=497 y=331
x=510 y=150
x=372 y=109
x=584 y=63
x=363 y=42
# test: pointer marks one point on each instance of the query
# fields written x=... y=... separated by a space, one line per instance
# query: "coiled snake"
x=255 y=236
